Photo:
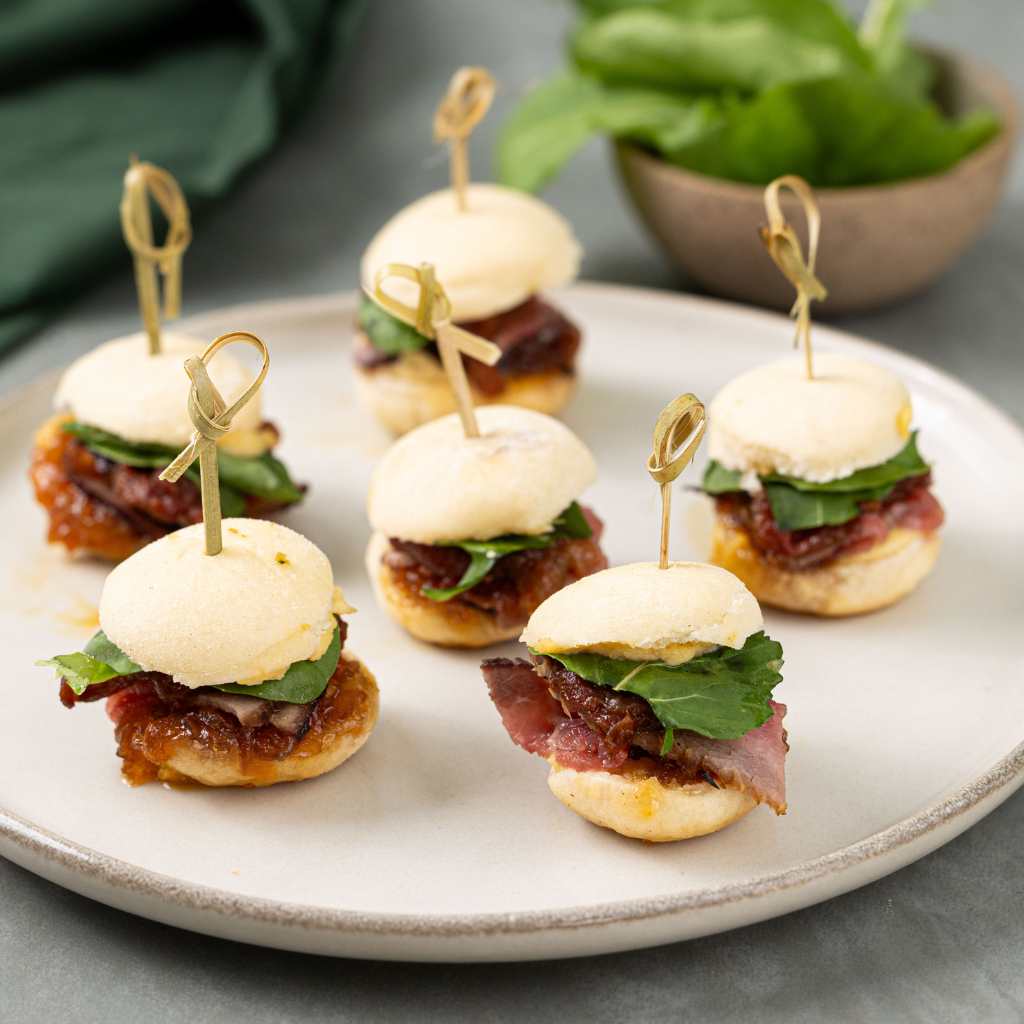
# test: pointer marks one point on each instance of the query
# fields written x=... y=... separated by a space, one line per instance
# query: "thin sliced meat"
x=754 y=763
x=588 y=727
x=535 y=720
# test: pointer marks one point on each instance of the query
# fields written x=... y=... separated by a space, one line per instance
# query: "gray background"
x=943 y=940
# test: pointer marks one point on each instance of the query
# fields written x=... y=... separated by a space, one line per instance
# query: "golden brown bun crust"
x=414 y=390
x=640 y=806
x=850 y=585
x=311 y=756
x=451 y=624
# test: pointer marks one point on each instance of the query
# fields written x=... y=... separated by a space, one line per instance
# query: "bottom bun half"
x=414 y=390
x=356 y=699
x=448 y=624
x=850 y=585
x=640 y=806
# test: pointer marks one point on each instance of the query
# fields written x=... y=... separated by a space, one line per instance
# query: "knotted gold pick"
x=212 y=417
x=677 y=435
x=784 y=248
x=141 y=181
x=463 y=107
x=432 y=318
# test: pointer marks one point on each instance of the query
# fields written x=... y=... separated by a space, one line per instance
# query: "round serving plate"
x=440 y=841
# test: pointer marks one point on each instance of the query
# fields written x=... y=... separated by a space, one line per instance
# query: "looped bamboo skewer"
x=431 y=316
x=463 y=107
x=211 y=417
x=783 y=246
x=141 y=181
x=677 y=435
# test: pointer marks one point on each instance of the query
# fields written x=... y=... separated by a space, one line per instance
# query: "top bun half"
x=122 y=389
x=772 y=419
x=436 y=486
x=242 y=616
x=505 y=247
x=642 y=612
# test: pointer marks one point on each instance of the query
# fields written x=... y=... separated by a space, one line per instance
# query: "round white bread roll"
x=190 y=759
x=773 y=419
x=436 y=486
x=242 y=616
x=642 y=612
x=445 y=623
x=642 y=807
x=850 y=585
x=122 y=389
x=414 y=390
x=505 y=247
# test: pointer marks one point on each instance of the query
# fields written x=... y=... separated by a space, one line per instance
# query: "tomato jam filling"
x=910 y=506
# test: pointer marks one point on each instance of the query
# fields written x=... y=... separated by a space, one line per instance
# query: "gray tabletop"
x=942 y=940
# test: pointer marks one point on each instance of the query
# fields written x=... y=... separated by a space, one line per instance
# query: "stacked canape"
x=823 y=503
x=471 y=534
x=648 y=691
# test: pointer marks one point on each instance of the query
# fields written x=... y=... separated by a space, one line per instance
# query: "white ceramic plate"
x=439 y=841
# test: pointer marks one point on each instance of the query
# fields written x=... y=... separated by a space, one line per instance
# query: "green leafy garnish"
x=387 y=333
x=103 y=660
x=263 y=476
x=744 y=90
x=722 y=694
x=484 y=554
x=804 y=505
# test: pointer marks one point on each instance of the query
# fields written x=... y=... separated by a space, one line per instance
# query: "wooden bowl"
x=879 y=243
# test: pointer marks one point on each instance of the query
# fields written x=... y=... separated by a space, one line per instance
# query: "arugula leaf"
x=103 y=660
x=484 y=554
x=804 y=505
x=262 y=475
x=719 y=480
x=722 y=694
x=304 y=681
x=386 y=332
x=744 y=90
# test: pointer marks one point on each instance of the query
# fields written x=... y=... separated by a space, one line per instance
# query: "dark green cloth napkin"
x=201 y=87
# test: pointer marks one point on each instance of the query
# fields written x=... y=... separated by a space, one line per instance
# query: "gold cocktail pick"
x=784 y=248
x=468 y=98
x=677 y=435
x=212 y=417
x=141 y=181
x=432 y=317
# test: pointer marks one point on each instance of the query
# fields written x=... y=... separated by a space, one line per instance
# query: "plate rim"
x=1001 y=779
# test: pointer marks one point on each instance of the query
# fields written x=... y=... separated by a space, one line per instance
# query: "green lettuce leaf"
x=804 y=505
x=103 y=660
x=263 y=476
x=722 y=694
x=387 y=333
x=484 y=554
x=744 y=90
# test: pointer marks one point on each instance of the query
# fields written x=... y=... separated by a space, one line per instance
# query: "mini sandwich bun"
x=640 y=806
x=414 y=390
x=851 y=415
x=642 y=612
x=192 y=759
x=503 y=248
x=245 y=615
x=122 y=389
x=436 y=486
x=447 y=624
x=850 y=585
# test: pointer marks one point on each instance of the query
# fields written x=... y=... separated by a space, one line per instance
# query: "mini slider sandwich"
x=822 y=502
x=121 y=418
x=221 y=649
x=494 y=250
x=649 y=690
x=475 y=515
